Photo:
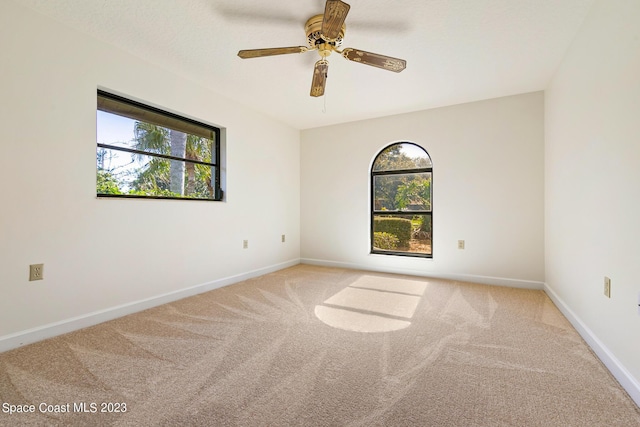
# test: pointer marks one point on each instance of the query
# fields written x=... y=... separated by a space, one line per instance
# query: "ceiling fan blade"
x=335 y=12
x=257 y=53
x=319 y=77
x=375 y=60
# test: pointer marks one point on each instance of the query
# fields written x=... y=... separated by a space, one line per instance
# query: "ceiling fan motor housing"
x=313 y=30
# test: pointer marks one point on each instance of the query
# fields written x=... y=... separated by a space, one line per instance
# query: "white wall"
x=487 y=189
x=592 y=175
x=100 y=254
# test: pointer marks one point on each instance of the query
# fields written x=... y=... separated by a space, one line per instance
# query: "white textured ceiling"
x=456 y=50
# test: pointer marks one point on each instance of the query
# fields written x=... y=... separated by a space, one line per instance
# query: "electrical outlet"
x=607 y=287
x=460 y=244
x=36 y=272
x=245 y=244
x=283 y=238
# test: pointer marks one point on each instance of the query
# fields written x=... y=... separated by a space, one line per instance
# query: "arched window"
x=401 y=202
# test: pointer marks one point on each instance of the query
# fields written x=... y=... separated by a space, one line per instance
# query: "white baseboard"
x=40 y=333
x=485 y=280
x=617 y=369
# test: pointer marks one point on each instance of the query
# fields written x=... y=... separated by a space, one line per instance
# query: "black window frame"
x=218 y=193
x=402 y=213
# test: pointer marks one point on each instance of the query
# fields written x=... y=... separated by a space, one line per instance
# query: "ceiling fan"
x=324 y=34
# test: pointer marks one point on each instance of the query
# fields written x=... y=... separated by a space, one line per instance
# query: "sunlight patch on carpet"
x=358 y=322
x=372 y=304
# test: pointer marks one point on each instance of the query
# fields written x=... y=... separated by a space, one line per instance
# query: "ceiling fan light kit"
x=325 y=33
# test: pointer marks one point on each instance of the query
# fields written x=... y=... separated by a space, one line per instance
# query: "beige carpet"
x=314 y=346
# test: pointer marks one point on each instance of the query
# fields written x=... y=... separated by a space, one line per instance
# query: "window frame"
x=218 y=193
x=401 y=213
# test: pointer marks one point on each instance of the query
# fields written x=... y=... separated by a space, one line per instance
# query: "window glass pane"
x=402 y=192
x=122 y=173
x=402 y=156
x=119 y=131
x=402 y=233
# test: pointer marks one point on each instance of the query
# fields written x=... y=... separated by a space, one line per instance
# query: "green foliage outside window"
x=106 y=183
x=387 y=241
x=399 y=227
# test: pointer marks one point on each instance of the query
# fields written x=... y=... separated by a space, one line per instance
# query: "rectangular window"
x=145 y=152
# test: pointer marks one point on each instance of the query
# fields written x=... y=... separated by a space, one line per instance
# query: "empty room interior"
x=281 y=295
